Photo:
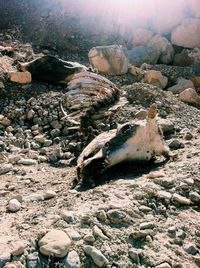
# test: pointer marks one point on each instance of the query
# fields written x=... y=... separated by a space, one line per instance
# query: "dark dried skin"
x=50 y=69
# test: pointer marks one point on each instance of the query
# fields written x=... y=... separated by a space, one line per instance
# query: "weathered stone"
x=73 y=234
x=97 y=232
x=4 y=121
x=30 y=114
x=181 y=85
x=109 y=59
x=6 y=65
x=161 y=44
x=155 y=78
x=175 y=144
x=72 y=260
x=98 y=258
x=166 y=125
x=14 y=205
x=187 y=34
x=21 y=77
x=135 y=255
x=164 y=195
x=182 y=59
x=195 y=197
x=163 y=265
x=55 y=243
x=116 y=216
x=141 y=36
x=191 y=249
x=49 y=194
x=147 y=225
x=5 y=168
x=18 y=248
x=27 y=162
x=134 y=70
x=5 y=254
x=190 y=96
x=181 y=199
x=141 y=54
x=142 y=114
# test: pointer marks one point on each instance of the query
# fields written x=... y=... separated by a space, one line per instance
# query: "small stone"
x=142 y=114
x=27 y=162
x=155 y=174
x=101 y=215
x=32 y=260
x=191 y=249
x=89 y=238
x=14 y=205
x=55 y=243
x=147 y=225
x=21 y=77
x=135 y=255
x=116 y=216
x=72 y=260
x=15 y=264
x=55 y=132
x=49 y=194
x=18 y=248
x=97 y=232
x=180 y=234
x=164 y=195
x=98 y=258
x=5 y=168
x=181 y=199
x=30 y=114
x=73 y=234
x=137 y=235
x=163 y=265
x=194 y=197
x=145 y=209
x=40 y=138
x=69 y=217
x=175 y=144
x=4 y=121
x=171 y=231
x=155 y=78
x=48 y=143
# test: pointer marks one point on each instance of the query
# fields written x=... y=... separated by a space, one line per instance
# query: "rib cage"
x=87 y=92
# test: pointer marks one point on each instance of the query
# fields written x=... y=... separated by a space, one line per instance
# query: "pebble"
x=147 y=225
x=98 y=258
x=135 y=255
x=5 y=168
x=97 y=232
x=181 y=199
x=73 y=234
x=155 y=174
x=194 y=197
x=72 y=260
x=164 y=195
x=69 y=217
x=49 y=194
x=32 y=260
x=116 y=216
x=89 y=238
x=18 y=248
x=14 y=205
x=101 y=215
x=27 y=162
x=175 y=144
x=55 y=243
x=191 y=249
x=163 y=265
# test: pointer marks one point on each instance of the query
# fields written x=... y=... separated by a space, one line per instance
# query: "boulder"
x=55 y=243
x=21 y=77
x=164 y=46
x=141 y=36
x=187 y=34
x=183 y=59
x=155 y=78
x=190 y=96
x=181 y=85
x=142 y=54
x=109 y=59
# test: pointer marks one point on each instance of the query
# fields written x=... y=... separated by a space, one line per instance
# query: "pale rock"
x=181 y=199
x=135 y=70
x=155 y=78
x=30 y=114
x=5 y=168
x=55 y=243
x=15 y=264
x=18 y=248
x=141 y=36
x=68 y=216
x=181 y=85
x=187 y=34
x=5 y=254
x=109 y=59
x=72 y=260
x=190 y=96
x=163 y=265
x=27 y=162
x=89 y=238
x=13 y=159
x=98 y=258
x=14 y=205
x=141 y=114
x=73 y=234
x=166 y=125
x=135 y=255
x=4 y=121
x=195 y=197
x=164 y=46
x=97 y=232
x=142 y=54
x=164 y=195
x=6 y=65
x=155 y=174
x=49 y=194
x=21 y=77
x=147 y=225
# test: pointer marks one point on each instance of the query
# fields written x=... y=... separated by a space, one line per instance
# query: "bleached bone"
x=131 y=142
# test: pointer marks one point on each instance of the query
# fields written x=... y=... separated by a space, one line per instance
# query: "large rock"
x=164 y=46
x=181 y=85
x=55 y=243
x=190 y=96
x=109 y=59
x=187 y=34
x=155 y=78
x=194 y=6
x=141 y=36
x=142 y=54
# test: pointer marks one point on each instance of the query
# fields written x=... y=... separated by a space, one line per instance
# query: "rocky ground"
x=133 y=217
